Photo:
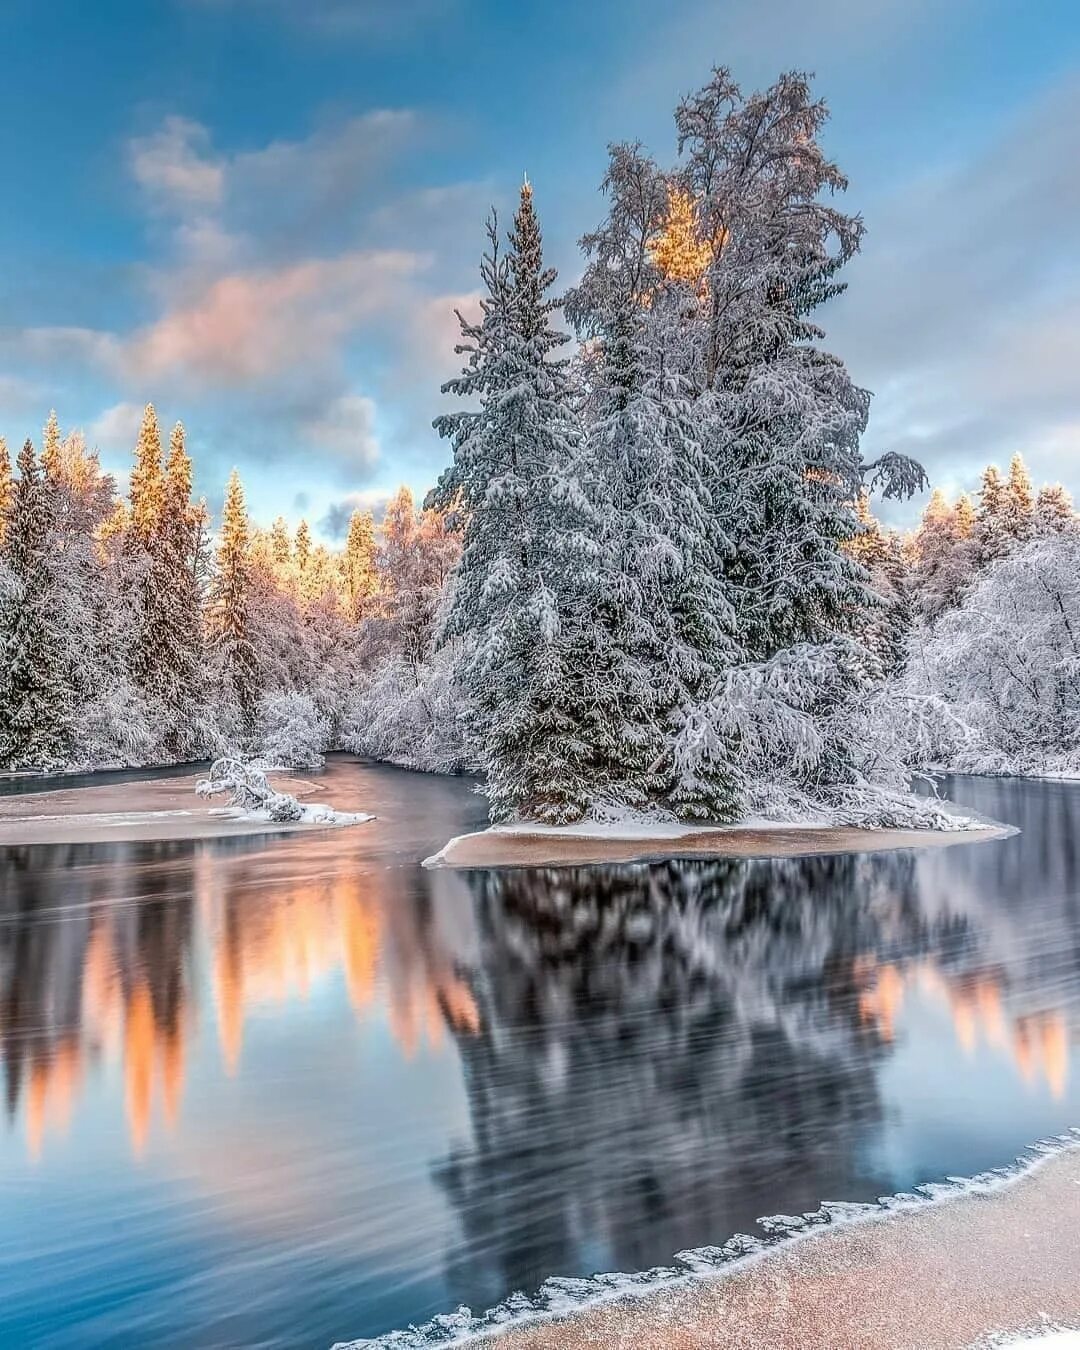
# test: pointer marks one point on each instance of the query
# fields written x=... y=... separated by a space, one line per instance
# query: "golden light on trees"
x=679 y=251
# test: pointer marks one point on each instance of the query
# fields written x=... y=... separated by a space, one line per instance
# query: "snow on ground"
x=156 y=808
x=1048 y=1340
x=317 y=813
x=633 y=838
x=965 y=1265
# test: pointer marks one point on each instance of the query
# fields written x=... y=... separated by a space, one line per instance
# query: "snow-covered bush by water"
x=994 y=685
x=248 y=790
x=290 y=731
x=252 y=798
x=803 y=739
x=410 y=713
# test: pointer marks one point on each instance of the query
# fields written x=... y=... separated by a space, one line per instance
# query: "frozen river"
x=283 y=1091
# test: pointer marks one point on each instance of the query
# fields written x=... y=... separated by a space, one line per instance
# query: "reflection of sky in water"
x=297 y=1089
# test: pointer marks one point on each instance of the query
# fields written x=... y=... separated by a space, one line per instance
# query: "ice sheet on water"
x=561 y=1296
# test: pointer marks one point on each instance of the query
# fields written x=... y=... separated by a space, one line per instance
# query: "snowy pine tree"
x=147 y=574
x=34 y=697
x=662 y=616
x=233 y=651
x=280 y=546
x=301 y=553
x=179 y=656
x=528 y=559
x=50 y=449
x=1018 y=516
x=7 y=490
x=358 y=565
x=991 y=533
x=1054 y=511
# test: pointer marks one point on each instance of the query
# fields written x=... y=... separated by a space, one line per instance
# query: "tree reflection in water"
x=663 y=1047
x=561 y=1071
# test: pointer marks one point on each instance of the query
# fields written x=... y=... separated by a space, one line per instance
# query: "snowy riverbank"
x=590 y=841
x=155 y=808
x=964 y=1265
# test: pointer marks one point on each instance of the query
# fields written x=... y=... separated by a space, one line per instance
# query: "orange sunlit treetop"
x=679 y=251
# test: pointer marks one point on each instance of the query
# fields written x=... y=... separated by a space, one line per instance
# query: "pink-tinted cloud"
x=247 y=327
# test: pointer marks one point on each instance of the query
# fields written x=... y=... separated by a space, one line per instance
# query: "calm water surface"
x=279 y=1091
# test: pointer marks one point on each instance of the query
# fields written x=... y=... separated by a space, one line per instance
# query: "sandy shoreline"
x=940 y=1277
x=162 y=808
x=521 y=848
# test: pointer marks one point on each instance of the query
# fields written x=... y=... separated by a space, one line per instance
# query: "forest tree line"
x=134 y=634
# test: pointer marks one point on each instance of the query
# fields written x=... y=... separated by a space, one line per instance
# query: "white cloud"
x=116 y=429
x=347 y=429
x=175 y=167
x=961 y=313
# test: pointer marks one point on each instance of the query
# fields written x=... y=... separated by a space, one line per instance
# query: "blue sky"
x=260 y=214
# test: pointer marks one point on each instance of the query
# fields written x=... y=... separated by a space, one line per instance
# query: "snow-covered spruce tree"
x=945 y=556
x=7 y=489
x=179 y=658
x=92 y=620
x=1018 y=517
x=50 y=449
x=783 y=415
x=146 y=576
x=662 y=615
x=301 y=554
x=528 y=566
x=991 y=535
x=358 y=564
x=1054 y=511
x=234 y=657
x=281 y=545
x=781 y=421
x=34 y=696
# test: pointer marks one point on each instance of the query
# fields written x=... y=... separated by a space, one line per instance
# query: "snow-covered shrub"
x=410 y=714
x=249 y=790
x=290 y=731
x=994 y=685
x=801 y=738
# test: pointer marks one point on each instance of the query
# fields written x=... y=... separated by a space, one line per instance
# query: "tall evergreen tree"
x=991 y=532
x=664 y=617
x=965 y=516
x=1018 y=516
x=34 y=698
x=7 y=490
x=783 y=416
x=358 y=565
x=528 y=559
x=179 y=639
x=147 y=487
x=302 y=550
x=1054 y=511
x=50 y=449
x=233 y=647
x=148 y=577
x=280 y=545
